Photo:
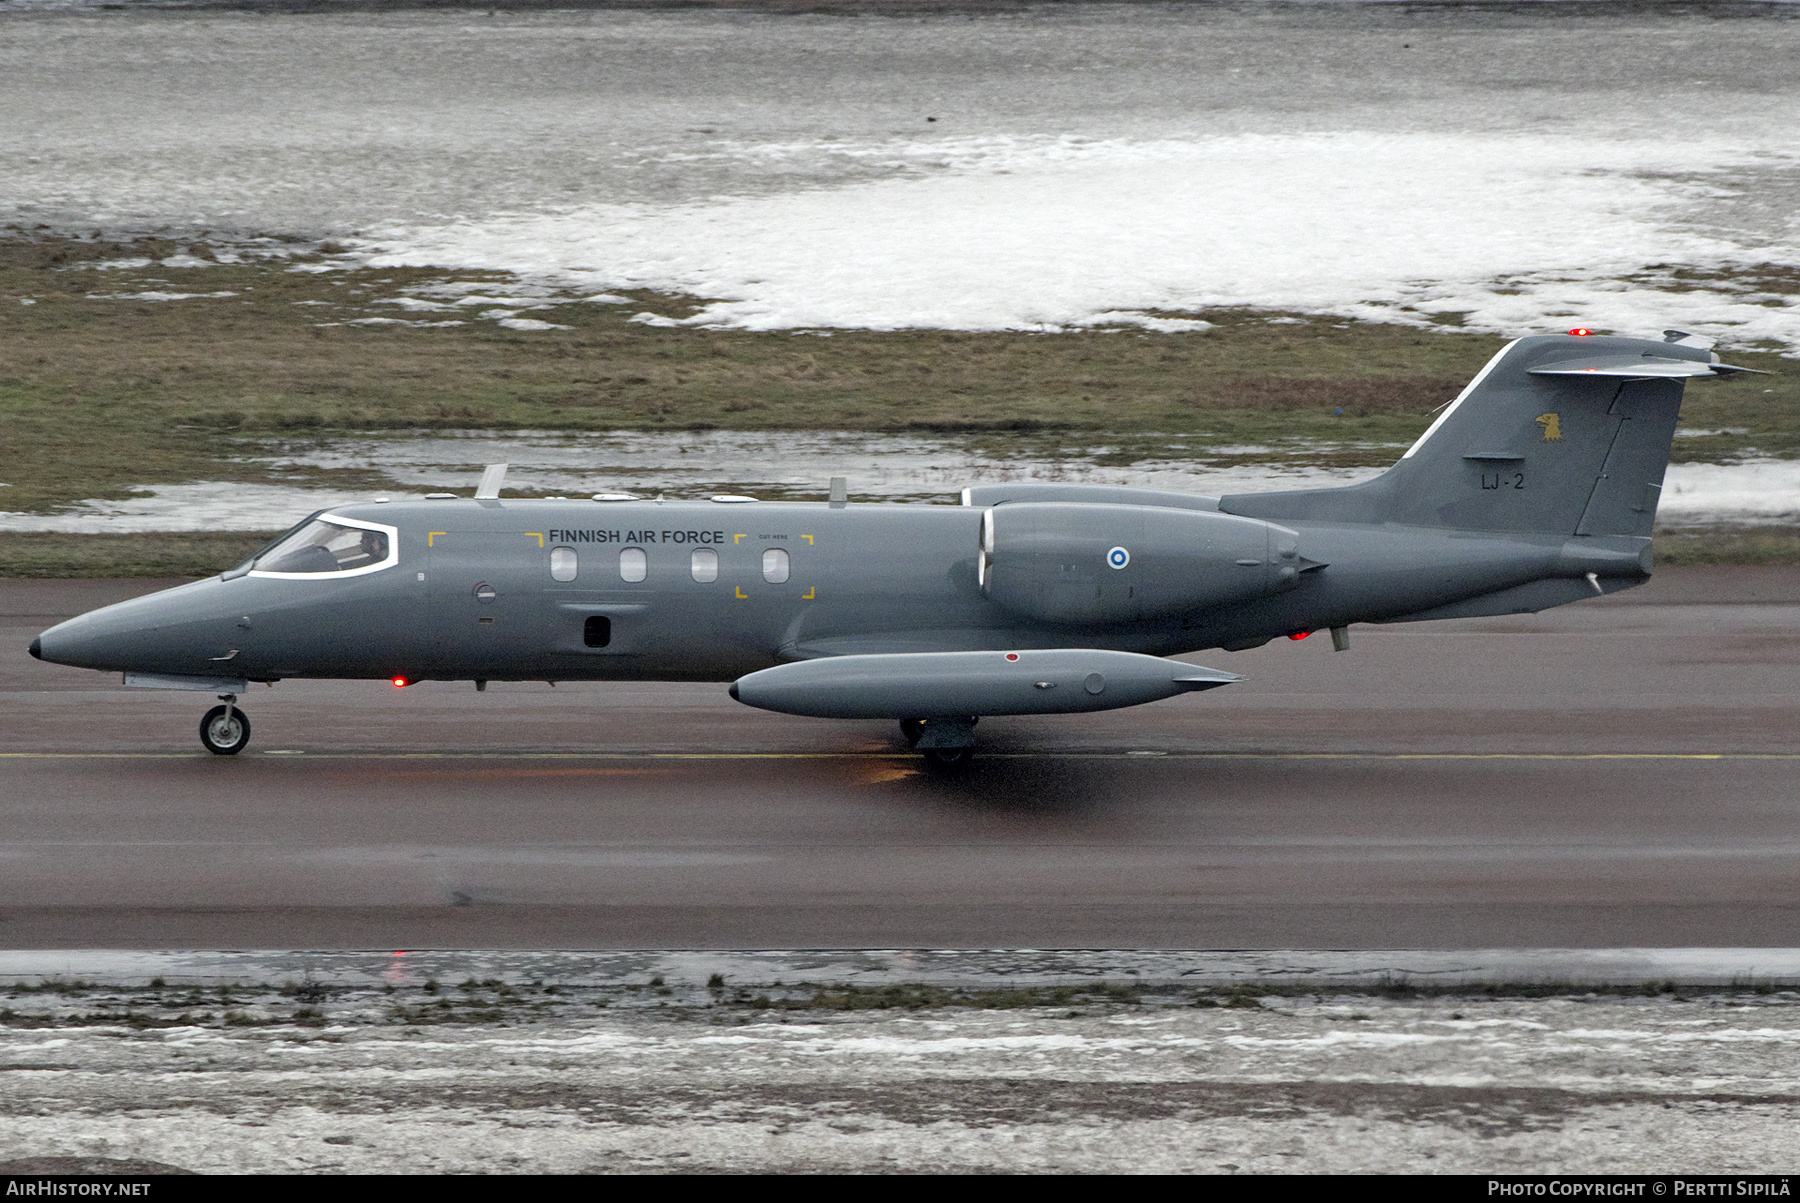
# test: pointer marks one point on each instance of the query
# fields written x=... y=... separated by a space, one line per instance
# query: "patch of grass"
x=137 y=1021
x=159 y=554
x=54 y=986
x=13 y=1019
x=99 y=390
x=1680 y=546
x=306 y=992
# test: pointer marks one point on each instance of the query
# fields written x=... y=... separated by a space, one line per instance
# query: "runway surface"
x=1624 y=772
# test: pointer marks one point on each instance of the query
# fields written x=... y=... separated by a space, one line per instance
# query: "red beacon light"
x=1297 y=635
x=401 y=682
x=1581 y=332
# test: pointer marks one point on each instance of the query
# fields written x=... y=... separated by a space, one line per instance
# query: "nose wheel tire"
x=911 y=729
x=225 y=730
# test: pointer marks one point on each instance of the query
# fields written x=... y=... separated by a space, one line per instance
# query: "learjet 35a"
x=1536 y=487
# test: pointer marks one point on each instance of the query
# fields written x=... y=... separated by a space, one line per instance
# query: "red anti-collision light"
x=1299 y=635
x=401 y=682
x=1581 y=332
x=1012 y=655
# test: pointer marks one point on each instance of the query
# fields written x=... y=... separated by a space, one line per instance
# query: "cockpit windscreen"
x=322 y=546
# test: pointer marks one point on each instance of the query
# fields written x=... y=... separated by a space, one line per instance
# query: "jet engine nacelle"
x=1084 y=563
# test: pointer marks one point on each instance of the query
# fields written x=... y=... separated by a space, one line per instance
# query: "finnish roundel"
x=1118 y=557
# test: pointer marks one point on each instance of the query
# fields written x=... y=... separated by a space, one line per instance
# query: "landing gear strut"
x=225 y=729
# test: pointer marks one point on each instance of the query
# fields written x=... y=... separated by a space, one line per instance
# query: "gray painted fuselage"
x=862 y=579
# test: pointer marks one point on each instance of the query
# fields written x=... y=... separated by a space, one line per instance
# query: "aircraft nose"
x=174 y=631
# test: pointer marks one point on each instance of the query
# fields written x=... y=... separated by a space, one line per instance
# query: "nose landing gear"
x=224 y=730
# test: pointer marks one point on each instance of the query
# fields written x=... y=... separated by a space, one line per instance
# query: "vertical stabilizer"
x=1558 y=434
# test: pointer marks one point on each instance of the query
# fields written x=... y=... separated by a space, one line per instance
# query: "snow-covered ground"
x=569 y=1062
x=1511 y=232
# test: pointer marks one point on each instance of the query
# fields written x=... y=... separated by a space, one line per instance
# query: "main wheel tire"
x=225 y=730
x=948 y=758
x=911 y=729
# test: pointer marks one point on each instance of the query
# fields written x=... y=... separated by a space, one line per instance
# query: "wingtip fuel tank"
x=930 y=684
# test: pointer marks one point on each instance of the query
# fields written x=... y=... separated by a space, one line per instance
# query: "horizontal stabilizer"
x=1637 y=367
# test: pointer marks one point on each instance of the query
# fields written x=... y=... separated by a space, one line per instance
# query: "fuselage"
x=697 y=590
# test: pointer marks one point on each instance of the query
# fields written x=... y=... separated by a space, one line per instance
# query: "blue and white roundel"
x=1118 y=557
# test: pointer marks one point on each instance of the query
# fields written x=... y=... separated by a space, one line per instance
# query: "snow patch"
x=1511 y=232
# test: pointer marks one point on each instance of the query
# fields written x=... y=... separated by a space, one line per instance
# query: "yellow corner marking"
x=430 y=536
x=531 y=534
x=810 y=594
x=739 y=590
x=735 y=538
x=1552 y=424
x=808 y=538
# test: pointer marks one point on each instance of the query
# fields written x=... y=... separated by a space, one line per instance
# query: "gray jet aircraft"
x=1535 y=487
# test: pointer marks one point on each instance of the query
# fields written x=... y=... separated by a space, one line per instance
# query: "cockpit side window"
x=323 y=546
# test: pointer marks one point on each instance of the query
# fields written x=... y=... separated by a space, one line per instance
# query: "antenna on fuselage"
x=491 y=480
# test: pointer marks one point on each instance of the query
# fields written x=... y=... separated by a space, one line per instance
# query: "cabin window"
x=562 y=563
x=775 y=565
x=597 y=631
x=634 y=565
x=322 y=546
x=706 y=565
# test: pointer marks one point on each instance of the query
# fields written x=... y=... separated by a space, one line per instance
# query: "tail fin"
x=1558 y=434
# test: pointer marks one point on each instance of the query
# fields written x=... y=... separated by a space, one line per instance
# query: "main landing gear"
x=946 y=743
x=225 y=729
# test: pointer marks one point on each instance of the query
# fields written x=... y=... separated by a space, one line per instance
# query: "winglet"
x=491 y=480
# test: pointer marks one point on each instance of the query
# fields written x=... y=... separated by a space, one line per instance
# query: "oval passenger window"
x=775 y=565
x=562 y=563
x=706 y=565
x=633 y=564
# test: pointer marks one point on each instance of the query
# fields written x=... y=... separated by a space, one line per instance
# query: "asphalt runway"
x=1623 y=772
